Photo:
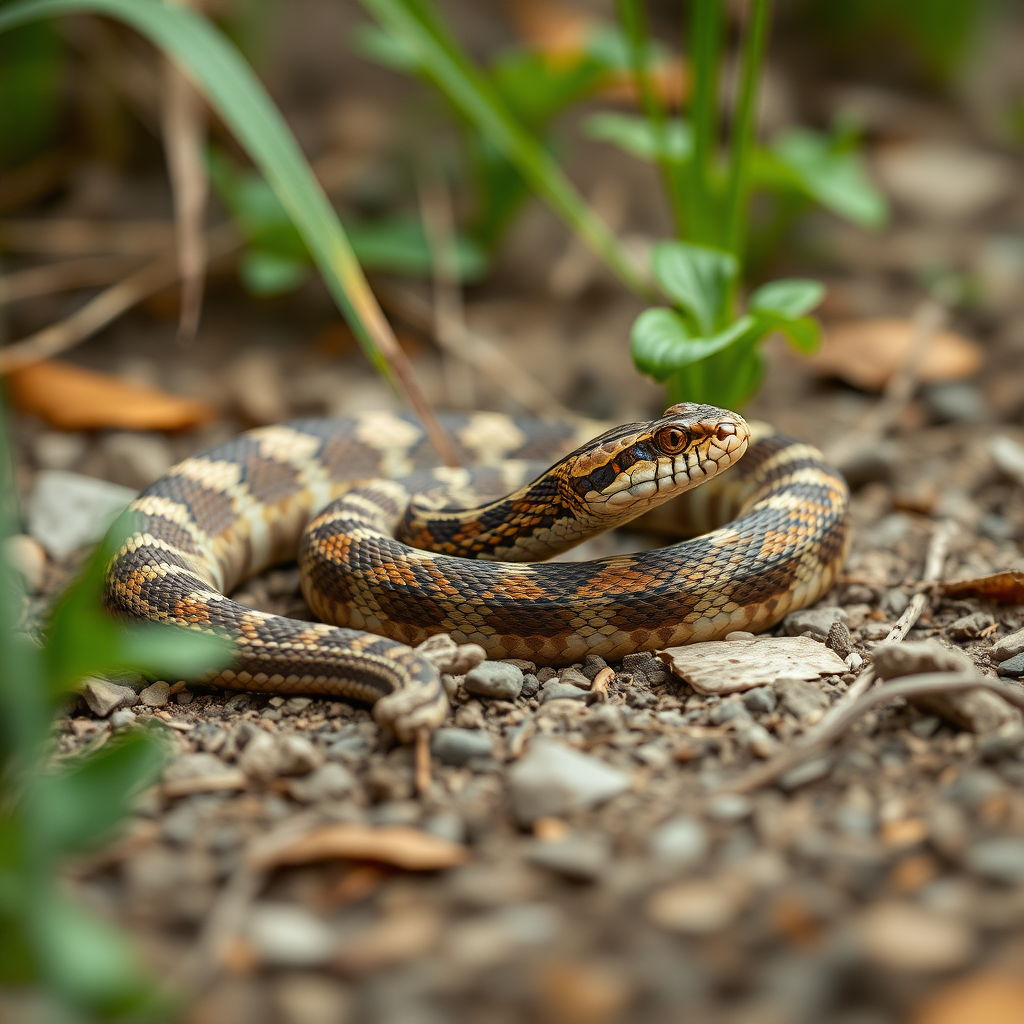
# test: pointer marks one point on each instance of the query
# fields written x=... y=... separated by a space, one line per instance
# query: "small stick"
x=51 y=278
x=423 y=779
x=824 y=732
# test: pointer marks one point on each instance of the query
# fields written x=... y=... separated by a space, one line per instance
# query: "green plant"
x=53 y=809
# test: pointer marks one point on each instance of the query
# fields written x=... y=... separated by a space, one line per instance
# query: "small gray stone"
x=679 y=843
x=574 y=677
x=728 y=711
x=839 y=640
x=354 y=746
x=495 y=679
x=297 y=756
x=916 y=656
x=761 y=700
x=445 y=825
x=576 y=856
x=967 y=627
x=259 y=759
x=195 y=766
x=67 y=511
x=456 y=746
x=294 y=705
x=530 y=685
x=1001 y=860
x=136 y=459
x=729 y=807
x=995 y=746
x=895 y=603
x=800 y=697
x=955 y=402
x=328 y=782
x=817 y=621
x=1012 y=667
x=645 y=665
x=653 y=755
x=103 y=696
x=554 y=689
x=396 y=812
x=972 y=788
x=286 y=935
x=801 y=774
x=1007 y=647
x=553 y=779
x=156 y=695
x=592 y=664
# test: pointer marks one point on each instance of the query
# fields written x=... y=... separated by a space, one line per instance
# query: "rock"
x=195 y=766
x=955 y=402
x=328 y=782
x=135 y=459
x=592 y=664
x=555 y=689
x=27 y=558
x=761 y=741
x=124 y=719
x=494 y=679
x=1001 y=860
x=653 y=755
x=729 y=807
x=800 y=697
x=255 y=382
x=902 y=936
x=839 y=640
x=104 y=697
x=552 y=780
x=259 y=759
x=297 y=756
x=979 y=711
x=728 y=711
x=973 y=788
x=294 y=705
x=574 y=677
x=812 y=620
x=286 y=935
x=457 y=746
x=1000 y=746
x=761 y=700
x=59 y=449
x=895 y=603
x=679 y=843
x=1007 y=647
x=967 y=627
x=646 y=665
x=530 y=685
x=808 y=771
x=581 y=857
x=67 y=511
x=156 y=695
x=739 y=634
x=305 y=998
x=913 y=657
x=445 y=825
x=697 y=908
x=1012 y=667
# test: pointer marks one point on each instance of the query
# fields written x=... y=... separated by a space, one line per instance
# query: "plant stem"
x=697 y=177
x=744 y=123
x=634 y=22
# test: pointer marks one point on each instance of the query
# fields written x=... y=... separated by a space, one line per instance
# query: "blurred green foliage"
x=31 y=70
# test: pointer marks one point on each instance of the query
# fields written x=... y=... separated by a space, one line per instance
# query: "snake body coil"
x=778 y=522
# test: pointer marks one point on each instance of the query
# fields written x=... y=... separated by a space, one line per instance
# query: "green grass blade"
x=443 y=61
x=233 y=90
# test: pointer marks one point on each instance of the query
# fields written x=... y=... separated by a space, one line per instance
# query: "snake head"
x=632 y=468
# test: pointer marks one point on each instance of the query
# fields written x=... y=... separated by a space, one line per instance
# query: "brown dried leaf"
x=72 y=398
x=866 y=353
x=1005 y=587
x=399 y=845
x=718 y=666
x=988 y=998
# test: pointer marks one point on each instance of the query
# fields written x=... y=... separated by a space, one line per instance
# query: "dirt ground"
x=579 y=859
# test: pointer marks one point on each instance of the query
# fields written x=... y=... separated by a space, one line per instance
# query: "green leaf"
x=535 y=88
x=834 y=177
x=80 y=805
x=803 y=333
x=697 y=278
x=661 y=344
x=640 y=138
x=386 y=49
x=267 y=273
x=789 y=297
x=399 y=244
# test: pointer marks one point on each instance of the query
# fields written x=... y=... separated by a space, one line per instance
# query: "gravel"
x=817 y=621
x=457 y=746
x=495 y=679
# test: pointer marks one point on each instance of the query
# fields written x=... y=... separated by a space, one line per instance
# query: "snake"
x=395 y=548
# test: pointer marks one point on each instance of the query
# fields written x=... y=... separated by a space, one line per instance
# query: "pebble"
x=286 y=935
x=195 y=766
x=1001 y=860
x=328 y=782
x=839 y=639
x=27 y=558
x=123 y=719
x=955 y=402
x=812 y=620
x=555 y=689
x=530 y=685
x=574 y=677
x=259 y=759
x=679 y=843
x=1007 y=647
x=57 y=449
x=456 y=746
x=761 y=741
x=809 y=771
x=800 y=697
x=552 y=780
x=592 y=664
x=653 y=755
x=104 y=697
x=580 y=857
x=729 y=807
x=761 y=700
x=696 y=908
x=1012 y=667
x=67 y=511
x=913 y=657
x=728 y=711
x=445 y=825
x=297 y=756
x=895 y=603
x=905 y=937
x=494 y=679
x=973 y=788
x=136 y=460
x=156 y=695
x=997 y=746
x=739 y=634
x=967 y=627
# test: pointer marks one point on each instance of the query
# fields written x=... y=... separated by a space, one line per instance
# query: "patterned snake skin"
x=219 y=517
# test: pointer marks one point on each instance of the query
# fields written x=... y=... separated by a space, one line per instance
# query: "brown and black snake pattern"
x=221 y=516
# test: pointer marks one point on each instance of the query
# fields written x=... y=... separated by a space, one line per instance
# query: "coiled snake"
x=219 y=517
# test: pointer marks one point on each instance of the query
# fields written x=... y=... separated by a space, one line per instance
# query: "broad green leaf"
x=535 y=88
x=697 y=278
x=31 y=82
x=399 y=244
x=661 y=345
x=789 y=297
x=608 y=44
x=833 y=177
x=642 y=139
x=803 y=333
x=79 y=806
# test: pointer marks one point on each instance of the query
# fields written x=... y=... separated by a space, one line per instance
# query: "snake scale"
x=773 y=533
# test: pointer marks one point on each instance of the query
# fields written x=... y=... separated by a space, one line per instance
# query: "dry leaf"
x=72 y=398
x=981 y=999
x=728 y=666
x=866 y=353
x=1005 y=587
x=399 y=845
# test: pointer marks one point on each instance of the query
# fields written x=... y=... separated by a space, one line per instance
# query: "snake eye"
x=671 y=440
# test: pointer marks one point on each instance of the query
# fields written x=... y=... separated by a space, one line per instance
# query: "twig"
x=109 y=305
x=422 y=755
x=51 y=278
x=478 y=351
x=823 y=733
x=899 y=389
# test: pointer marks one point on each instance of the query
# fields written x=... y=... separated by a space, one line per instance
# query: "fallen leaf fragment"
x=1005 y=587
x=979 y=999
x=866 y=353
x=398 y=845
x=717 y=666
x=72 y=398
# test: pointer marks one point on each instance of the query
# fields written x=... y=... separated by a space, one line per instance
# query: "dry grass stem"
x=51 y=278
x=423 y=775
x=76 y=237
